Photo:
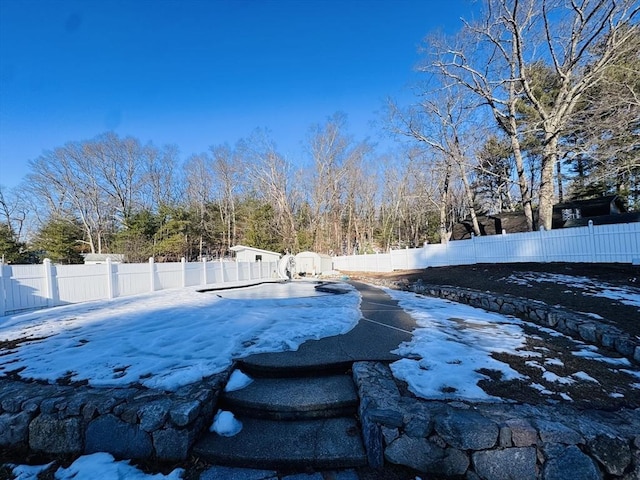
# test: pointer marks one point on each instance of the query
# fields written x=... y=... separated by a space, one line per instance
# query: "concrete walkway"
x=383 y=326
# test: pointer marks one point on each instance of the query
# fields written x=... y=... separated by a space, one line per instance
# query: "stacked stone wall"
x=493 y=441
x=577 y=325
x=125 y=422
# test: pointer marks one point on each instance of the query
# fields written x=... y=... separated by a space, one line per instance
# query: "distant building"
x=250 y=254
x=601 y=211
x=311 y=263
x=98 y=258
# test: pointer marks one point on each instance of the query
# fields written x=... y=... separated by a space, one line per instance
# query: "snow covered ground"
x=455 y=346
x=170 y=338
x=626 y=295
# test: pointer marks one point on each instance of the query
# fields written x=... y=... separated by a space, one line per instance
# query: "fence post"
x=3 y=296
x=237 y=270
x=204 y=271
x=50 y=283
x=109 y=279
x=152 y=274
x=183 y=271
x=542 y=246
x=593 y=254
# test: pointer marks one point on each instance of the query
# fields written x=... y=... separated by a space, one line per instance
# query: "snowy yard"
x=171 y=338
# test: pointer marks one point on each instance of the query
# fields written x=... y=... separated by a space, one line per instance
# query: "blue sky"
x=196 y=73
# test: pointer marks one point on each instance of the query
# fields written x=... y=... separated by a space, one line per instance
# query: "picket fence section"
x=591 y=244
x=26 y=287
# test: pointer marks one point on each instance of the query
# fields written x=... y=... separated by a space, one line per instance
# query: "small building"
x=98 y=258
x=251 y=254
x=311 y=263
x=600 y=211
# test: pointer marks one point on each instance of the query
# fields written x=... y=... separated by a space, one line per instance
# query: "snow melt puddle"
x=170 y=338
x=626 y=295
x=453 y=342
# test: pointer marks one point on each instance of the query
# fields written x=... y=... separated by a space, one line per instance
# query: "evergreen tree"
x=60 y=240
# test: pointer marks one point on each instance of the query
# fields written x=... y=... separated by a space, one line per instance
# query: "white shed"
x=250 y=254
x=311 y=263
x=98 y=258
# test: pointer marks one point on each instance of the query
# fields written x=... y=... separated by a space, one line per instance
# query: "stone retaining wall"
x=125 y=422
x=584 y=327
x=493 y=441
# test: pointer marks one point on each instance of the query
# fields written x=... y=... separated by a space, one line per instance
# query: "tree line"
x=533 y=103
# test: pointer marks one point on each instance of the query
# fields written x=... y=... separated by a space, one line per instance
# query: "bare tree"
x=443 y=121
x=274 y=182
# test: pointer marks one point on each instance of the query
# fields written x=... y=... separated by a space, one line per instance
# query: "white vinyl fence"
x=24 y=287
x=593 y=244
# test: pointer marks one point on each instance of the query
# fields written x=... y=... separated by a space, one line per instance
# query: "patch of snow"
x=104 y=467
x=584 y=376
x=626 y=295
x=28 y=472
x=616 y=395
x=534 y=364
x=237 y=381
x=554 y=361
x=171 y=338
x=451 y=344
x=225 y=424
x=590 y=351
x=552 y=377
x=542 y=389
x=566 y=397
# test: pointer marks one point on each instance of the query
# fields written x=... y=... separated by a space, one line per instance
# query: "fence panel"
x=81 y=283
x=603 y=244
x=132 y=279
x=193 y=275
x=25 y=287
x=168 y=275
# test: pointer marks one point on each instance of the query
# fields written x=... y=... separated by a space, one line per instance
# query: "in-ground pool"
x=273 y=290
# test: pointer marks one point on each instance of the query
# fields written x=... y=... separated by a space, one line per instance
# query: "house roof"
x=239 y=248
x=102 y=257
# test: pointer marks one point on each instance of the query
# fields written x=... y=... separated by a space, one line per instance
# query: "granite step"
x=294 y=398
x=287 y=445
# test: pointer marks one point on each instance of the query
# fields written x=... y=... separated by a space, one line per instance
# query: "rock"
x=467 y=430
x=51 y=434
x=14 y=428
x=184 y=413
x=414 y=453
x=522 y=433
x=588 y=332
x=613 y=453
x=172 y=444
x=418 y=426
x=385 y=416
x=504 y=438
x=228 y=473
x=389 y=434
x=153 y=415
x=625 y=346
x=454 y=464
x=571 y=463
x=556 y=432
x=508 y=464
x=110 y=434
x=373 y=442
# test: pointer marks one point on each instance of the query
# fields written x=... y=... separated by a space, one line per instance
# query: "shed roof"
x=239 y=248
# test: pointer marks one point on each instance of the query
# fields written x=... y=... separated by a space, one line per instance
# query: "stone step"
x=294 y=398
x=280 y=445
x=279 y=365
